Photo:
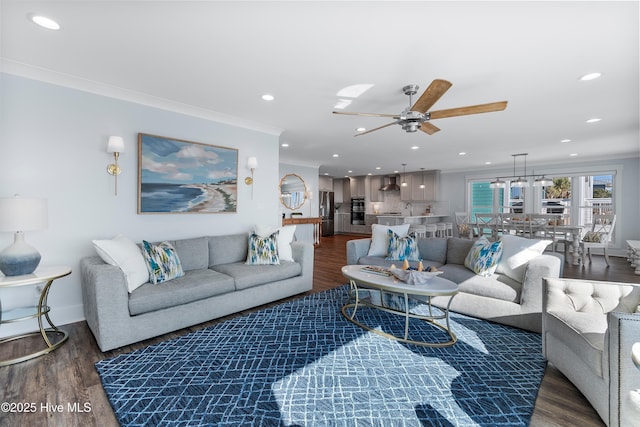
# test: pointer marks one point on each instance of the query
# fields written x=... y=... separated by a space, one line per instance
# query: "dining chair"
x=598 y=237
x=544 y=226
x=464 y=225
x=487 y=224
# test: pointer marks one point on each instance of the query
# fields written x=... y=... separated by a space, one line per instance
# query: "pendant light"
x=422 y=185
x=520 y=182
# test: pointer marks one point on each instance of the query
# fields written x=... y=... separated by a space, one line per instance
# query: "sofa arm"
x=356 y=249
x=623 y=332
x=538 y=268
x=104 y=295
x=302 y=253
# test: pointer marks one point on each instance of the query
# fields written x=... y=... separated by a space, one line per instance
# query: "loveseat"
x=511 y=296
x=216 y=282
x=589 y=329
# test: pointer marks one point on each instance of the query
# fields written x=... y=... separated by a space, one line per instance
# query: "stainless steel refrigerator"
x=327 y=209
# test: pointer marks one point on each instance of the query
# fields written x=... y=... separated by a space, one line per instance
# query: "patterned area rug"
x=301 y=363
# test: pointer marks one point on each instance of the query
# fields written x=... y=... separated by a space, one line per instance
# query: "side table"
x=41 y=275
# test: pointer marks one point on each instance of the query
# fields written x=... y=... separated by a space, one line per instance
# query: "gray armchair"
x=588 y=330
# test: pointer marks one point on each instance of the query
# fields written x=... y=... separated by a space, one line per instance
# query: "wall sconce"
x=17 y=215
x=115 y=146
x=252 y=165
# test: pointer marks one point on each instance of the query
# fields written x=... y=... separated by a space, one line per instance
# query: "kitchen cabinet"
x=325 y=183
x=357 y=185
x=346 y=190
x=375 y=184
x=338 y=190
x=413 y=193
x=343 y=223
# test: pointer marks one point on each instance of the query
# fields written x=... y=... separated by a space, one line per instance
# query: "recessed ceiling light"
x=361 y=129
x=487 y=163
x=336 y=155
x=326 y=173
x=268 y=97
x=45 y=22
x=573 y=154
x=565 y=140
x=590 y=76
x=415 y=147
x=593 y=120
x=378 y=167
x=369 y=174
x=462 y=153
x=350 y=171
x=284 y=144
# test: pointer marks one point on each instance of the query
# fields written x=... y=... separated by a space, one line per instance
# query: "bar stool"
x=419 y=229
x=431 y=230
x=449 y=229
x=441 y=230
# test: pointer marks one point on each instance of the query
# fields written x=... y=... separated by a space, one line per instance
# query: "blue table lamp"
x=17 y=215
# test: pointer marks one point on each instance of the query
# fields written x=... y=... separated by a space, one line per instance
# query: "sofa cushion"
x=228 y=249
x=380 y=239
x=247 y=276
x=193 y=286
x=123 y=253
x=483 y=257
x=457 y=249
x=517 y=252
x=193 y=253
x=434 y=251
x=403 y=248
x=496 y=286
x=285 y=237
x=583 y=332
x=163 y=262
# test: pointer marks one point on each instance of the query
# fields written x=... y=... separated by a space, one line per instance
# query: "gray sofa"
x=498 y=298
x=589 y=328
x=217 y=282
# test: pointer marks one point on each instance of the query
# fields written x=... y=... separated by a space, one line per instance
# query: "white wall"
x=53 y=145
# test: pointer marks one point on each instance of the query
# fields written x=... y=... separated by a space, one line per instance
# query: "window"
x=577 y=196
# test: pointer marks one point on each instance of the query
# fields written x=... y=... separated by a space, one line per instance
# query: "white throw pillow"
x=285 y=237
x=122 y=252
x=516 y=253
x=380 y=239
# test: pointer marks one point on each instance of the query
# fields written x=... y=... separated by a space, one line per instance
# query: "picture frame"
x=176 y=176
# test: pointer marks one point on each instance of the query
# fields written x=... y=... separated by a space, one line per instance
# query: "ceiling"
x=217 y=58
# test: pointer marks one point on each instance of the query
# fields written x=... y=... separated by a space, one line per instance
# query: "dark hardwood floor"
x=67 y=376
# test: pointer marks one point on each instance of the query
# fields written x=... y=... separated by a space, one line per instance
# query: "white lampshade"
x=498 y=183
x=22 y=214
x=252 y=163
x=115 y=144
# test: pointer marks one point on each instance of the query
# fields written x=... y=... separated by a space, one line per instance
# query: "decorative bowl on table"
x=414 y=277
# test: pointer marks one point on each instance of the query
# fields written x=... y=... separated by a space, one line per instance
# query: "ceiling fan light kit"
x=417 y=116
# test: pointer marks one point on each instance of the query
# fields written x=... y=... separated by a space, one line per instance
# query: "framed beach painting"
x=177 y=176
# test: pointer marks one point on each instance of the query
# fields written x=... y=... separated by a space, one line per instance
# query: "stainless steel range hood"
x=391 y=184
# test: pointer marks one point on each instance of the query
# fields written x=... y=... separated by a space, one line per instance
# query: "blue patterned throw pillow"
x=483 y=257
x=162 y=262
x=403 y=248
x=263 y=250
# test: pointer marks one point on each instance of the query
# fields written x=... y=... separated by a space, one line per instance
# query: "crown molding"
x=74 y=82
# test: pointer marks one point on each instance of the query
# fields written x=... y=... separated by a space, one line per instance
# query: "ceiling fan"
x=417 y=116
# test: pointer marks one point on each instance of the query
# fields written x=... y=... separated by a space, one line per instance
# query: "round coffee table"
x=360 y=279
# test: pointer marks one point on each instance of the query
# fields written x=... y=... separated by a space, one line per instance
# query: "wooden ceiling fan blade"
x=472 y=109
x=375 y=129
x=436 y=89
x=427 y=127
x=395 y=116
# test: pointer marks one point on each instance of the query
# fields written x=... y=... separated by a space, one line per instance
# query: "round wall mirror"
x=293 y=191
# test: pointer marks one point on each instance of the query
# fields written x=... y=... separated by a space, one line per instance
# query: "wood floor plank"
x=68 y=376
